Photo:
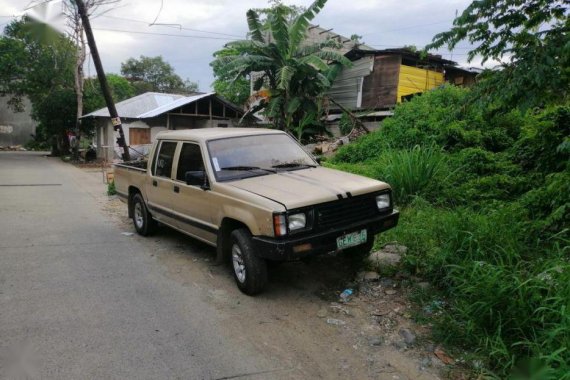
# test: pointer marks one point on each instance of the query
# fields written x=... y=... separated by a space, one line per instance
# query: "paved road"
x=79 y=300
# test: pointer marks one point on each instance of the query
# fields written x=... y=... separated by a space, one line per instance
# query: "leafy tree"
x=530 y=37
x=236 y=90
x=36 y=62
x=154 y=74
x=294 y=73
x=291 y=11
x=121 y=89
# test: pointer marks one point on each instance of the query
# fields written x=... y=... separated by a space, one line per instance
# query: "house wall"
x=412 y=80
x=347 y=87
x=106 y=137
x=16 y=128
x=380 y=88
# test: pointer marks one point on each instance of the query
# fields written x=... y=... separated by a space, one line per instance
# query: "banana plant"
x=292 y=72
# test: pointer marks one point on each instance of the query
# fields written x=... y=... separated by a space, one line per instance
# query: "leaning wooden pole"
x=117 y=126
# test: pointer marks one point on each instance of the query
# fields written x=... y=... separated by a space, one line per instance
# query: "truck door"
x=194 y=203
x=161 y=196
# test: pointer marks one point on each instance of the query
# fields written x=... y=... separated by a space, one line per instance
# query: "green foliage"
x=120 y=87
x=111 y=190
x=155 y=74
x=236 y=90
x=486 y=218
x=541 y=145
x=530 y=37
x=412 y=172
x=294 y=75
x=346 y=124
x=38 y=63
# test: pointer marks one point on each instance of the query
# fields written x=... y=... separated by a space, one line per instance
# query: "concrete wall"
x=15 y=127
x=106 y=137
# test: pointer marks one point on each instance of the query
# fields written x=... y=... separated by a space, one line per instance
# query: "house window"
x=139 y=136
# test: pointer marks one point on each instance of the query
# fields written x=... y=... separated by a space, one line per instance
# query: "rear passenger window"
x=164 y=159
x=190 y=160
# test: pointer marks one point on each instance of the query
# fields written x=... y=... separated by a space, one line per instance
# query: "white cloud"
x=385 y=23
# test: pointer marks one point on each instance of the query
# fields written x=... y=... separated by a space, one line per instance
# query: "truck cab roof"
x=205 y=134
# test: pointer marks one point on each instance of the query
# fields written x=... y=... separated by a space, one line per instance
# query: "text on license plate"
x=351 y=240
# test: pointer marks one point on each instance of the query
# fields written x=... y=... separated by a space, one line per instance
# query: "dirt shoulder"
x=299 y=319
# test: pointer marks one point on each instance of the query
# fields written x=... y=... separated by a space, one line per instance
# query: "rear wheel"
x=250 y=271
x=144 y=224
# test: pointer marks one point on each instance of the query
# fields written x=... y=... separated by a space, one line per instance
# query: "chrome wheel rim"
x=237 y=260
x=139 y=219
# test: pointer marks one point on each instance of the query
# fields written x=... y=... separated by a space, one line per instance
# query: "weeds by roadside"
x=111 y=190
x=485 y=215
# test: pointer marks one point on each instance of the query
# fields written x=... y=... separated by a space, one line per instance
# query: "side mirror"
x=197 y=178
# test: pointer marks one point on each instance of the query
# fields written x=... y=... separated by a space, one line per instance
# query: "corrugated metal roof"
x=149 y=104
x=174 y=104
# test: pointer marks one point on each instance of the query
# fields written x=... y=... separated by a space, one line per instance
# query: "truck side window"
x=164 y=159
x=190 y=160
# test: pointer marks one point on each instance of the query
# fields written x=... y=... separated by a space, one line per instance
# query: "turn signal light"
x=279 y=225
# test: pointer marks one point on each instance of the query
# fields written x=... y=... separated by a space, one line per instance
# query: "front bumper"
x=293 y=248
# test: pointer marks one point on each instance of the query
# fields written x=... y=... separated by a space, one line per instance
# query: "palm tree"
x=293 y=73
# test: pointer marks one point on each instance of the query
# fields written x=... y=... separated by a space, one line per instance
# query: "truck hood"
x=298 y=188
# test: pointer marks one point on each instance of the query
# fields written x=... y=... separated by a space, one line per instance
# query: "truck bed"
x=130 y=174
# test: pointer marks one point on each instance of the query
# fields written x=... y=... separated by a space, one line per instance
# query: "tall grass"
x=505 y=300
x=411 y=171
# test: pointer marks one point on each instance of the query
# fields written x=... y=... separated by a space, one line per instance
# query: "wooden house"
x=380 y=79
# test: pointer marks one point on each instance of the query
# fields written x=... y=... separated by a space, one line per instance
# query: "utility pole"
x=103 y=79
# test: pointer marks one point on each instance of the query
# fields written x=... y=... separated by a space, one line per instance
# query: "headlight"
x=383 y=201
x=297 y=221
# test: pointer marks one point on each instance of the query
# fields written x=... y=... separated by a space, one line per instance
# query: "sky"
x=186 y=33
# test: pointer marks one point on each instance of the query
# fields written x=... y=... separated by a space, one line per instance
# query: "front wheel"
x=250 y=271
x=144 y=224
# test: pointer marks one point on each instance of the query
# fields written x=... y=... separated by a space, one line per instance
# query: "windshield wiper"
x=293 y=165
x=247 y=168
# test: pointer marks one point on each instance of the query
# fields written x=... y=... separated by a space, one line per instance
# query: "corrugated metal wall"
x=413 y=80
x=347 y=87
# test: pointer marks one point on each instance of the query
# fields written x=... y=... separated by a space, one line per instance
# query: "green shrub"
x=345 y=124
x=486 y=218
x=507 y=299
x=434 y=117
x=369 y=147
x=412 y=172
x=111 y=190
x=543 y=138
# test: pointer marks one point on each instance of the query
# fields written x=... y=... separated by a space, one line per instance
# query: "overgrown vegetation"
x=485 y=209
x=291 y=74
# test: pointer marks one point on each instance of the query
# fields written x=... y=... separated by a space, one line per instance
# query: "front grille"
x=346 y=211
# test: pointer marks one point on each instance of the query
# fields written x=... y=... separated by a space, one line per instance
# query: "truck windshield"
x=249 y=156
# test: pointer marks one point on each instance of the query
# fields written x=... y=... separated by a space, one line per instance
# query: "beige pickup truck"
x=255 y=195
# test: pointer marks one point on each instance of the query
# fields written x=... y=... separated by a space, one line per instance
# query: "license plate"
x=351 y=240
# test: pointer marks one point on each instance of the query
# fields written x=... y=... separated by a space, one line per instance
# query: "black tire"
x=250 y=271
x=144 y=224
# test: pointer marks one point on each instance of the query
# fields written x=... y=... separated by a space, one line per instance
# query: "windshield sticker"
x=216 y=165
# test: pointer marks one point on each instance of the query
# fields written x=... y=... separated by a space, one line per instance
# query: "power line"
x=172 y=26
x=164 y=34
